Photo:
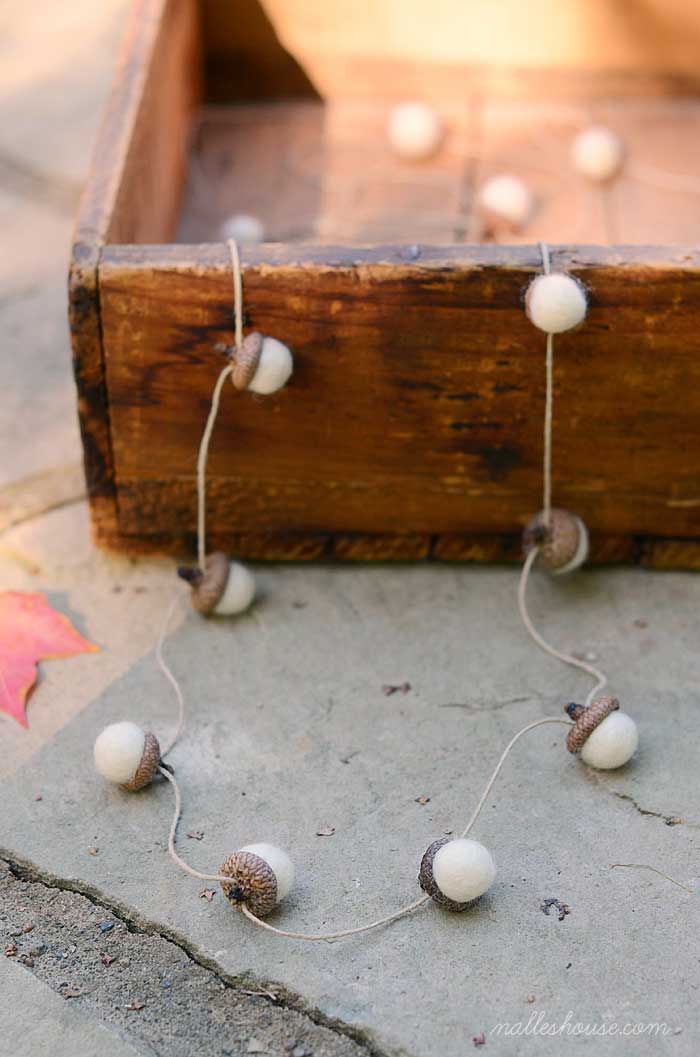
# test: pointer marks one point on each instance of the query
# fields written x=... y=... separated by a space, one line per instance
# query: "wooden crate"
x=412 y=425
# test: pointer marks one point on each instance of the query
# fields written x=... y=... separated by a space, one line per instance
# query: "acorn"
x=261 y=876
x=261 y=364
x=222 y=588
x=127 y=755
x=562 y=542
x=455 y=873
x=605 y=736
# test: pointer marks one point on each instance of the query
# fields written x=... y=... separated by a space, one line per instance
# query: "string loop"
x=215 y=400
x=397 y=914
x=566 y=658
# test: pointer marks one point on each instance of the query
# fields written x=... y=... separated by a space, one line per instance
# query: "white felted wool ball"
x=555 y=303
x=415 y=131
x=581 y=553
x=274 y=369
x=118 y=751
x=243 y=228
x=612 y=743
x=238 y=593
x=463 y=869
x=507 y=198
x=597 y=153
x=280 y=864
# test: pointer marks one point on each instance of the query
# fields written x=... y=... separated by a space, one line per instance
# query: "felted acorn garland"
x=454 y=872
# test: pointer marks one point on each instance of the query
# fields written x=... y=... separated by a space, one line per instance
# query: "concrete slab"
x=290 y=732
x=36 y=1022
x=56 y=63
x=141 y=985
x=38 y=425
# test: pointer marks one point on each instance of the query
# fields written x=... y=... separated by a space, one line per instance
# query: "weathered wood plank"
x=531 y=139
x=161 y=88
x=323 y=173
x=93 y=221
x=143 y=116
x=416 y=403
x=380 y=548
x=671 y=554
x=412 y=425
x=649 y=552
x=261 y=159
x=368 y=194
x=656 y=198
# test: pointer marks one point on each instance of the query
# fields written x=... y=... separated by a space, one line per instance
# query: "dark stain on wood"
x=500 y=461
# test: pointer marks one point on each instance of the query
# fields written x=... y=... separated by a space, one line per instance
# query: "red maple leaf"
x=31 y=631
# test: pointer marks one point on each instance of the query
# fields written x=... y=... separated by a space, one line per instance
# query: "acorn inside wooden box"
x=412 y=424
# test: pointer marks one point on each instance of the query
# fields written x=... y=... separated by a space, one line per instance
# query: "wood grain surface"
x=324 y=172
x=415 y=408
x=412 y=425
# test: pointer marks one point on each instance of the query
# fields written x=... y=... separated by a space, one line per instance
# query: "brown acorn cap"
x=148 y=767
x=586 y=719
x=207 y=586
x=253 y=882
x=246 y=359
x=558 y=541
x=427 y=881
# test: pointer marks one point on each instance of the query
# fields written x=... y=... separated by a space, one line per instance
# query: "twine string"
x=202 y=457
x=172 y=679
x=202 y=464
x=546 y=264
x=201 y=496
x=547 y=447
x=567 y=658
x=215 y=401
x=504 y=756
x=328 y=937
x=237 y=292
x=173 y=830
x=548 y=408
x=397 y=914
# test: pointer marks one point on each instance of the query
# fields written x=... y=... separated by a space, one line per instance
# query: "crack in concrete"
x=271 y=992
x=669 y=820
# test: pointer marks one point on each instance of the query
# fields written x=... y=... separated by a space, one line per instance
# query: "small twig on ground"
x=645 y=866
